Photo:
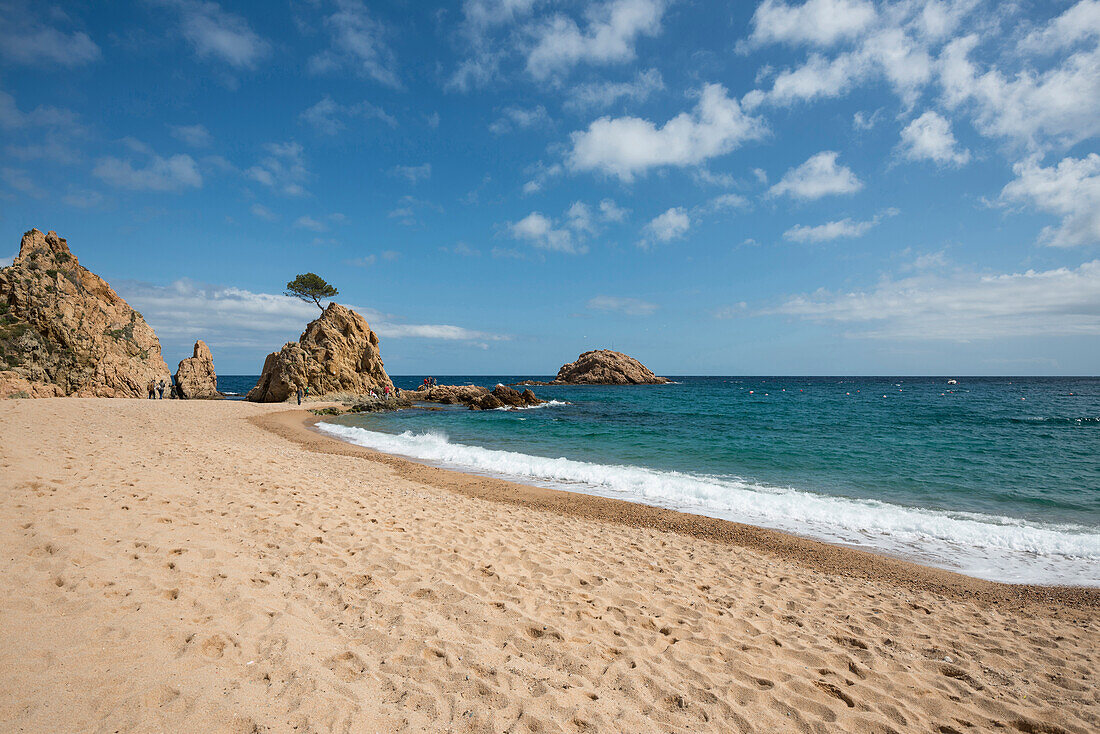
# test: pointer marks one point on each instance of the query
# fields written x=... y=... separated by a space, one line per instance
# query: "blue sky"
x=829 y=187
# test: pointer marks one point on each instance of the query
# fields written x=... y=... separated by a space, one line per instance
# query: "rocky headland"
x=64 y=331
x=195 y=376
x=336 y=356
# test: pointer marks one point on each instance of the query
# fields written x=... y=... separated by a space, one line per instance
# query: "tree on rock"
x=310 y=287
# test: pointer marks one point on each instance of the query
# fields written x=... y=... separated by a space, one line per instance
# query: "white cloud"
x=414 y=173
x=45 y=132
x=612 y=212
x=362 y=262
x=6 y=261
x=819 y=176
x=599 y=95
x=197 y=136
x=261 y=211
x=225 y=316
x=282 y=168
x=727 y=201
x=157 y=174
x=628 y=146
x=817 y=22
x=1059 y=106
x=580 y=219
x=25 y=40
x=480 y=17
x=358 y=44
x=541 y=232
x=215 y=33
x=519 y=118
x=83 y=198
x=963 y=306
x=670 y=225
x=1070 y=189
x=929 y=137
x=626 y=306
x=1079 y=23
x=328 y=117
x=308 y=222
x=542 y=175
x=20 y=180
x=829 y=231
x=609 y=36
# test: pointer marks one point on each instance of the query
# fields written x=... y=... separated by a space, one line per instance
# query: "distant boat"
x=952 y=382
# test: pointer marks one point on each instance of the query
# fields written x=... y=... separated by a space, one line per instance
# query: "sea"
x=994 y=477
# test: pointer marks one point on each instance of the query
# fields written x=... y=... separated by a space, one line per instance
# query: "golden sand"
x=216 y=566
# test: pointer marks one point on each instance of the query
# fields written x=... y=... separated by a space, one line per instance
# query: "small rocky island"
x=603 y=367
x=64 y=331
x=474 y=397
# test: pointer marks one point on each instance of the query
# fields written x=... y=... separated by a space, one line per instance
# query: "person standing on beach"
x=152 y=388
x=300 y=391
x=160 y=389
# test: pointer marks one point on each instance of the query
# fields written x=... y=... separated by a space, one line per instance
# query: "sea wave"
x=547 y=404
x=987 y=546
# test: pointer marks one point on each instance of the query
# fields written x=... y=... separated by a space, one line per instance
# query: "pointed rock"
x=195 y=376
x=64 y=331
x=336 y=354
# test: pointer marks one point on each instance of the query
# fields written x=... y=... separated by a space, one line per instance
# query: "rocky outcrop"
x=605 y=367
x=337 y=355
x=64 y=331
x=195 y=376
x=475 y=397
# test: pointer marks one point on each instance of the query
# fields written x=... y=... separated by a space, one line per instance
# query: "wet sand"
x=219 y=566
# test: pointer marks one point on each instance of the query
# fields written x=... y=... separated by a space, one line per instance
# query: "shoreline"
x=819 y=556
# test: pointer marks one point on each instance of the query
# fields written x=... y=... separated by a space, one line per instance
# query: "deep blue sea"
x=995 y=477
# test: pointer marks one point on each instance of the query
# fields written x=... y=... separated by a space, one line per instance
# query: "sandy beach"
x=220 y=567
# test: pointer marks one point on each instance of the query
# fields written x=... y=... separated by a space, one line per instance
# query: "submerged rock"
x=64 y=331
x=337 y=355
x=605 y=367
x=195 y=377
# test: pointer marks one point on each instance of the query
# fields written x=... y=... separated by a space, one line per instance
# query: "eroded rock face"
x=337 y=354
x=605 y=367
x=195 y=376
x=64 y=331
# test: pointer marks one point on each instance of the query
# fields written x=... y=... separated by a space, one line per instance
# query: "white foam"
x=986 y=546
x=547 y=404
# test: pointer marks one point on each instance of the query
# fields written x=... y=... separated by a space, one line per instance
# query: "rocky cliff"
x=64 y=331
x=195 y=376
x=605 y=367
x=336 y=354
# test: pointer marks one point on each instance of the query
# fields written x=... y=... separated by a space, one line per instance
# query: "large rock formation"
x=64 y=331
x=195 y=376
x=336 y=355
x=605 y=367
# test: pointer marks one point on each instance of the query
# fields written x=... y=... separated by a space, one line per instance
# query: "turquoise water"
x=995 y=477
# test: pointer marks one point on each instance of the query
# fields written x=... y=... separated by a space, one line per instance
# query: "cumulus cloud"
x=542 y=232
x=819 y=176
x=670 y=225
x=282 y=168
x=154 y=173
x=358 y=43
x=308 y=222
x=26 y=40
x=480 y=19
x=1070 y=189
x=599 y=95
x=628 y=146
x=44 y=132
x=611 y=30
x=611 y=211
x=929 y=137
x=816 y=22
x=329 y=117
x=261 y=211
x=626 y=306
x=962 y=306
x=21 y=181
x=1059 y=106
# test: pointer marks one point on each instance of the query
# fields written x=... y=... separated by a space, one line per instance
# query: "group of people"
x=429 y=382
x=156 y=388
